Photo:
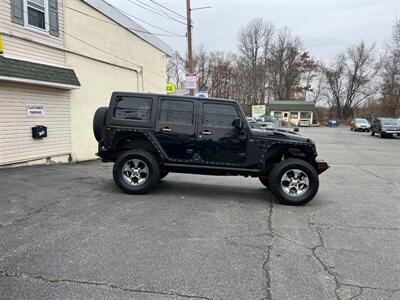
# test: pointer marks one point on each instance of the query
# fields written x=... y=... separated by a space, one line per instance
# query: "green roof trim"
x=291 y=105
x=21 y=69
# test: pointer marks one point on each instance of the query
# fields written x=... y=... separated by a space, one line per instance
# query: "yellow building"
x=295 y=112
x=59 y=63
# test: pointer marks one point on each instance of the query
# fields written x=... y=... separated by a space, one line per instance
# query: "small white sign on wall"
x=35 y=110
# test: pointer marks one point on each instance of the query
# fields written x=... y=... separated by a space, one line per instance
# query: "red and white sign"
x=191 y=81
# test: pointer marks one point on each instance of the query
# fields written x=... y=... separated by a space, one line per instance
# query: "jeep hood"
x=280 y=134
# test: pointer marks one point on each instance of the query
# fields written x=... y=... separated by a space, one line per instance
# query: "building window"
x=37 y=15
x=176 y=112
x=294 y=115
x=305 y=115
x=219 y=115
x=278 y=114
x=133 y=108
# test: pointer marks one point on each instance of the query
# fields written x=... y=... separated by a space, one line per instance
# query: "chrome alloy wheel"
x=135 y=172
x=295 y=182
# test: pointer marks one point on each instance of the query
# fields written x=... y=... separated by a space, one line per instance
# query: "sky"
x=325 y=27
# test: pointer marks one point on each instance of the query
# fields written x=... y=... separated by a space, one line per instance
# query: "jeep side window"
x=176 y=112
x=219 y=115
x=133 y=108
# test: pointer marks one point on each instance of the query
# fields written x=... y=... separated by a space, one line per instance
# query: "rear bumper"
x=321 y=166
x=104 y=154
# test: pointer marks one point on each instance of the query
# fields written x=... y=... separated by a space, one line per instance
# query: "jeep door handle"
x=166 y=129
x=206 y=132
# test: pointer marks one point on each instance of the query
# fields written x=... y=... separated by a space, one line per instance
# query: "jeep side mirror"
x=237 y=123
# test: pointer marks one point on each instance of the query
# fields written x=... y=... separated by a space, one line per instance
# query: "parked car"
x=269 y=122
x=385 y=127
x=358 y=124
x=332 y=123
x=149 y=135
x=251 y=120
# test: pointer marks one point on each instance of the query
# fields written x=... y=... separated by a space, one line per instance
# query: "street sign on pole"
x=190 y=82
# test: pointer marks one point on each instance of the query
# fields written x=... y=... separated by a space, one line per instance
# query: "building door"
x=285 y=117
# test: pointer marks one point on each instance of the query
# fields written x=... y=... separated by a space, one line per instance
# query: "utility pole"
x=189 y=41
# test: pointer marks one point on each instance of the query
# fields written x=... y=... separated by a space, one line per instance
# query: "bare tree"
x=390 y=75
x=254 y=40
x=201 y=61
x=350 y=79
x=175 y=69
x=285 y=65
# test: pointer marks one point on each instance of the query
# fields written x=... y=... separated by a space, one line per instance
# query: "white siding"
x=14 y=46
x=16 y=143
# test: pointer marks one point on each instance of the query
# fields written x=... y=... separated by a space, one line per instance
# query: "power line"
x=171 y=34
x=158 y=8
x=157 y=13
x=147 y=23
x=170 y=10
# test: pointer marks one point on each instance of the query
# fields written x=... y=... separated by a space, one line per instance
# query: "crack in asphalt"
x=370 y=287
x=330 y=226
x=265 y=265
x=356 y=295
x=326 y=268
x=375 y=175
x=99 y=284
x=31 y=213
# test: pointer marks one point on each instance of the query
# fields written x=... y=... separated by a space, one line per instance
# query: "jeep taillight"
x=322 y=166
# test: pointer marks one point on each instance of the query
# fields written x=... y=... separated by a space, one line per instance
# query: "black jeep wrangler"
x=150 y=135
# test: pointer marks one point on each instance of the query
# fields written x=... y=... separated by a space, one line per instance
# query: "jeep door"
x=218 y=141
x=175 y=127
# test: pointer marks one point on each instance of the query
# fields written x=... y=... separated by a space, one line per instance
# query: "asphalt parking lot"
x=67 y=232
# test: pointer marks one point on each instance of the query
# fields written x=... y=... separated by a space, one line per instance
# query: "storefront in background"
x=295 y=112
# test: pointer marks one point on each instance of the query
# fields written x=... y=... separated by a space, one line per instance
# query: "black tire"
x=99 y=120
x=163 y=174
x=280 y=169
x=381 y=135
x=153 y=172
x=264 y=180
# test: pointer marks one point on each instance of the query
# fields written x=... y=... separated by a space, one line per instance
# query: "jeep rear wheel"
x=136 y=172
x=294 y=182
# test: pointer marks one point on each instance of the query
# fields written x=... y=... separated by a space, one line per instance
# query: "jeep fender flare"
x=119 y=135
x=275 y=150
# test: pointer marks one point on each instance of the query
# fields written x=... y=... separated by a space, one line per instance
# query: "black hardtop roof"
x=172 y=96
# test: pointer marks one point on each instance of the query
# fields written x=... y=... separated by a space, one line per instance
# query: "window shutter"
x=17 y=11
x=53 y=17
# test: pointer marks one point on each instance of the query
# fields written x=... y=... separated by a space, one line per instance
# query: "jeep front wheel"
x=294 y=182
x=136 y=172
